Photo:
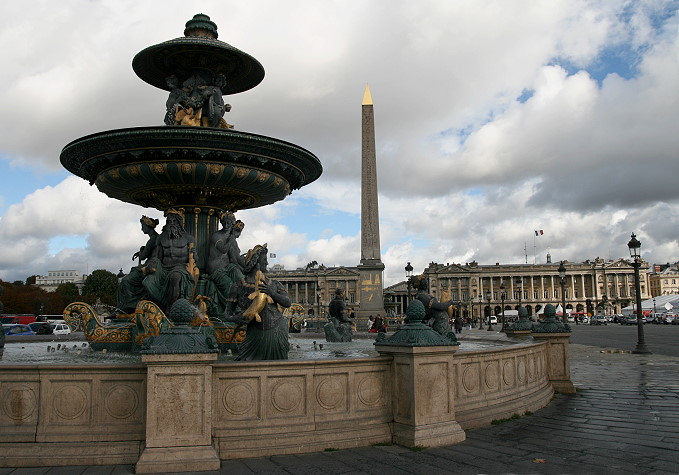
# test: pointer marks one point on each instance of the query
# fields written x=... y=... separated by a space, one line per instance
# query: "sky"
x=493 y=119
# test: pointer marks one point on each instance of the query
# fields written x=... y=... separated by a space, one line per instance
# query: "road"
x=660 y=339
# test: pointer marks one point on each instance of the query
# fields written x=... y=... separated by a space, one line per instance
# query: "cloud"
x=492 y=119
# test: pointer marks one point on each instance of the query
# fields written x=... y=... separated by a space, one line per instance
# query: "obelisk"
x=371 y=267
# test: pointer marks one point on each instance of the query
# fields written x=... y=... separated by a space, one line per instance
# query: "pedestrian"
x=458 y=325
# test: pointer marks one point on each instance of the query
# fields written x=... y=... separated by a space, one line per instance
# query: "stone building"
x=599 y=286
x=664 y=282
x=54 y=278
x=314 y=286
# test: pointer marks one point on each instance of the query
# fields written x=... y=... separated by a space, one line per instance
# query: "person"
x=266 y=339
x=130 y=289
x=168 y=277
x=378 y=325
x=436 y=312
x=175 y=100
x=371 y=321
x=458 y=324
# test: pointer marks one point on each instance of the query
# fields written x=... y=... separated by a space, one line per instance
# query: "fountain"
x=182 y=409
x=198 y=170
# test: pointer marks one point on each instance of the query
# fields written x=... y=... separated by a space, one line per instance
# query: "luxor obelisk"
x=371 y=267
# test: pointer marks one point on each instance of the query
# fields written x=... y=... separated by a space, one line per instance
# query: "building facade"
x=314 y=287
x=54 y=278
x=599 y=286
x=665 y=282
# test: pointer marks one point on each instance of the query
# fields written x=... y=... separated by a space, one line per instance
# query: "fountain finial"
x=201 y=25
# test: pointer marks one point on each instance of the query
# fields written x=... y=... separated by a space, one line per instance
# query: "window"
x=546 y=294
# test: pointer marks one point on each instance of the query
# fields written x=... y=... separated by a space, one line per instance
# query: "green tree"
x=31 y=280
x=69 y=292
x=101 y=284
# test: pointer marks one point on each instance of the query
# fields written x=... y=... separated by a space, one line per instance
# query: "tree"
x=31 y=280
x=101 y=284
x=69 y=292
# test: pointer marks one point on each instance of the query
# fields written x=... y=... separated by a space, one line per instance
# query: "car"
x=493 y=320
x=598 y=320
x=629 y=320
x=13 y=329
x=41 y=328
x=669 y=319
x=61 y=329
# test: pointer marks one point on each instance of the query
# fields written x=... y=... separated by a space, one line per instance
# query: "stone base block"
x=563 y=386
x=178 y=459
x=429 y=435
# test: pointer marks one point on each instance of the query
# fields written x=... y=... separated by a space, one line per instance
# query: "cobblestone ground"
x=623 y=419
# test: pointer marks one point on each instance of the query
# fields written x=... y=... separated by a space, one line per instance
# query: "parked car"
x=61 y=329
x=41 y=328
x=584 y=319
x=669 y=319
x=598 y=320
x=12 y=329
x=629 y=320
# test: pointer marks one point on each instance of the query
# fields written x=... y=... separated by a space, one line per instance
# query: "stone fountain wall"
x=82 y=415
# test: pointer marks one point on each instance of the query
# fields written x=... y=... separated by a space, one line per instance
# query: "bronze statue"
x=130 y=288
x=266 y=339
x=167 y=274
x=436 y=312
x=338 y=327
x=196 y=103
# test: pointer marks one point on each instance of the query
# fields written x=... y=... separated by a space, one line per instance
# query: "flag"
x=539 y=233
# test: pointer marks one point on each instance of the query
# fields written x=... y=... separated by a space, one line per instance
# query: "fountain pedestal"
x=423 y=401
x=423 y=390
x=558 y=361
x=178 y=414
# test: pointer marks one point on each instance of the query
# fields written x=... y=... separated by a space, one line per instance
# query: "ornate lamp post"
x=409 y=274
x=502 y=302
x=480 y=312
x=562 y=281
x=634 y=251
x=519 y=285
x=490 y=326
x=654 y=312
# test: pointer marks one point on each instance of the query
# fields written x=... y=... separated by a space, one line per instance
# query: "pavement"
x=624 y=419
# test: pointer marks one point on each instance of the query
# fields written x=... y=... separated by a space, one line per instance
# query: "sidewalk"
x=624 y=419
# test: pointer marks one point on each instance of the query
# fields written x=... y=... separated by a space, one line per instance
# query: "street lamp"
x=655 y=312
x=519 y=284
x=502 y=302
x=634 y=251
x=562 y=275
x=490 y=326
x=480 y=312
x=409 y=274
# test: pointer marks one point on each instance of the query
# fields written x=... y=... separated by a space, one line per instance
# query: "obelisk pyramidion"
x=371 y=267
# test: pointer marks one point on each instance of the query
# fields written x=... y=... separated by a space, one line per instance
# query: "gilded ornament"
x=241 y=172
x=186 y=168
x=262 y=177
x=133 y=170
x=216 y=169
x=158 y=168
